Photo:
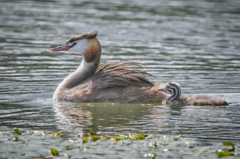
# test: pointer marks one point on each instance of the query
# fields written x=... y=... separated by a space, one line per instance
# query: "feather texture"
x=112 y=82
x=116 y=75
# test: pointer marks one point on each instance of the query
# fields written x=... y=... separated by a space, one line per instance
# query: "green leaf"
x=56 y=133
x=54 y=152
x=15 y=139
x=17 y=131
x=68 y=147
x=223 y=153
x=119 y=138
x=140 y=136
x=95 y=137
x=154 y=155
x=112 y=137
x=177 y=137
x=131 y=136
x=228 y=143
x=93 y=131
x=136 y=136
x=86 y=139
x=155 y=144
x=149 y=136
x=61 y=137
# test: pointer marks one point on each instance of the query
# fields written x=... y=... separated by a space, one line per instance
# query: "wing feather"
x=116 y=75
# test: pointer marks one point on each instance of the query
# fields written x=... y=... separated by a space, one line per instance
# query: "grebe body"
x=110 y=82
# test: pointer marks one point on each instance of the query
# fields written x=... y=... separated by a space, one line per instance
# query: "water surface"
x=194 y=43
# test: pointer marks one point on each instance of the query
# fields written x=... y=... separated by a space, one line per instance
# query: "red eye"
x=74 y=43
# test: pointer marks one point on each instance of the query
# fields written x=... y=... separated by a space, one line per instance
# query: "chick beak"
x=163 y=90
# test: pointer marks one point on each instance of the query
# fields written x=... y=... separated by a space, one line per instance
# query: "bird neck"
x=88 y=66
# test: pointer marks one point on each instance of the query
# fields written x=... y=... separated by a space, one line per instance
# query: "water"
x=194 y=43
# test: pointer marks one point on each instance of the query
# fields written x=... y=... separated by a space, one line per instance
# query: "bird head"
x=172 y=88
x=85 y=44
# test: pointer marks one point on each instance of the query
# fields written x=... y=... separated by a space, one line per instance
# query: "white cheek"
x=80 y=47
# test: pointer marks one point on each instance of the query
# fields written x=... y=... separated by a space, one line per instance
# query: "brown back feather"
x=116 y=75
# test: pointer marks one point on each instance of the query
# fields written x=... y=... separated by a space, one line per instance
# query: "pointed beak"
x=163 y=90
x=61 y=48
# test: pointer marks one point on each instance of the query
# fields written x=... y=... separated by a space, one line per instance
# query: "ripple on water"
x=194 y=43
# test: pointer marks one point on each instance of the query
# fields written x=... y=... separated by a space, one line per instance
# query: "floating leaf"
x=177 y=137
x=15 y=139
x=140 y=136
x=149 y=136
x=95 y=137
x=155 y=144
x=223 y=153
x=136 y=136
x=107 y=136
x=112 y=137
x=56 y=133
x=122 y=136
x=119 y=138
x=54 y=152
x=68 y=147
x=93 y=131
x=228 y=143
x=17 y=131
x=154 y=155
x=61 y=137
x=86 y=139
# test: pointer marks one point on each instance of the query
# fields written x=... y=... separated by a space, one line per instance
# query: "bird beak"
x=61 y=48
x=163 y=90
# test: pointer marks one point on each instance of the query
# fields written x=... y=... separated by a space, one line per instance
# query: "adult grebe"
x=110 y=82
x=176 y=99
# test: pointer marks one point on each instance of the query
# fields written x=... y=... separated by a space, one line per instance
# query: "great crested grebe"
x=176 y=99
x=110 y=82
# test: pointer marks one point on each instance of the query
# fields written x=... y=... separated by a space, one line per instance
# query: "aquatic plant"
x=43 y=144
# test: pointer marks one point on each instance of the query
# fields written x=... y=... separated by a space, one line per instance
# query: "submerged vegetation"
x=42 y=144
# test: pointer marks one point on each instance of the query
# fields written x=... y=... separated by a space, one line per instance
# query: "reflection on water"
x=112 y=118
x=194 y=43
x=98 y=116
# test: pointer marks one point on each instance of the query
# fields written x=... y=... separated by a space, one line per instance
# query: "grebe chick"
x=176 y=99
x=174 y=89
x=110 y=82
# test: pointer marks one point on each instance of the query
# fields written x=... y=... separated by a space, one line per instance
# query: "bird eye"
x=74 y=44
